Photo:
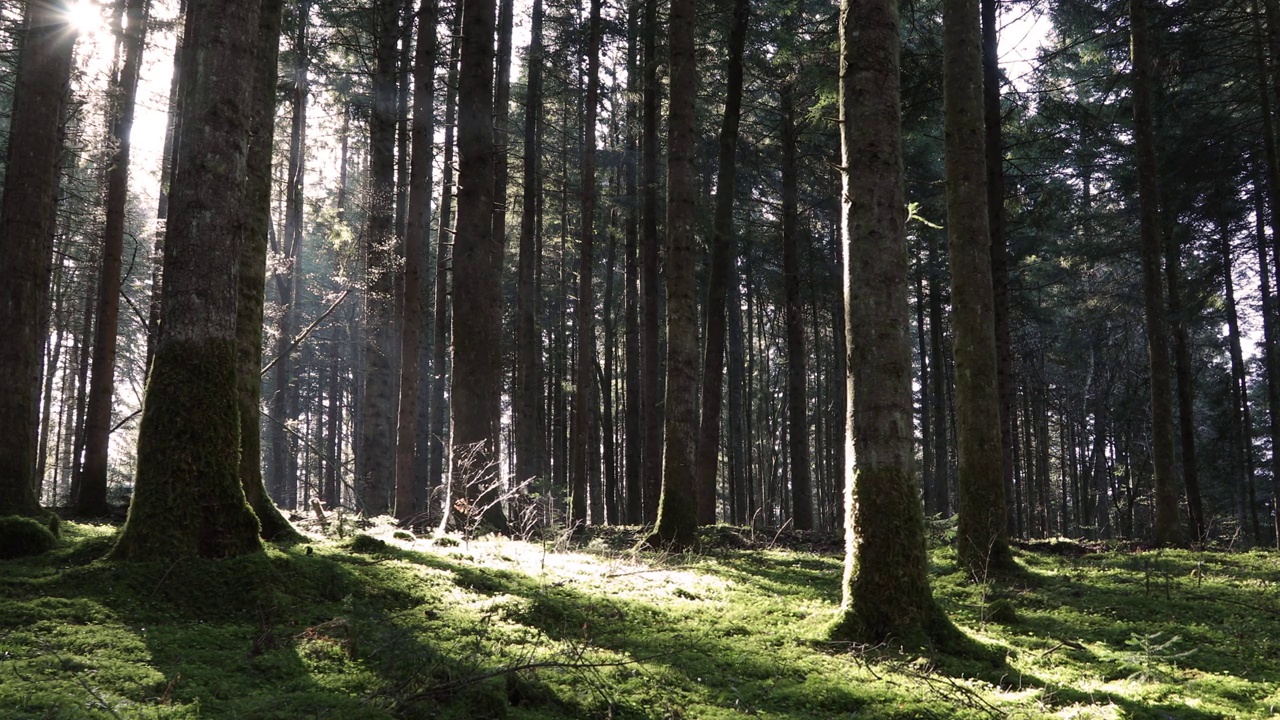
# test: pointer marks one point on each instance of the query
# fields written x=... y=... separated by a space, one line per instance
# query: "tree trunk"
x=415 y=249
x=440 y=355
x=92 y=499
x=1166 y=499
x=981 y=535
x=677 y=521
x=530 y=445
x=886 y=585
x=252 y=268
x=1186 y=392
x=797 y=388
x=994 y=147
x=1270 y=356
x=378 y=428
x=26 y=229
x=650 y=331
x=188 y=499
x=476 y=401
x=584 y=322
x=722 y=268
x=1240 y=390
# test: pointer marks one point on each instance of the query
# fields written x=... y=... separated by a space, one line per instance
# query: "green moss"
x=1002 y=611
x=23 y=536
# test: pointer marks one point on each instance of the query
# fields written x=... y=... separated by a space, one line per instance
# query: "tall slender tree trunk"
x=188 y=499
x=415 y=249
x=886 y=584
x=797 y=386
x=26 y=230
x=92 y=499
x=166 y=182
x=440 y=354
x=677 y=521
x=530 y=444
x=650 y=330
x=377 y=431
x=1186 y=391
x=584 y=322
x=633 y=442
x=475 y=407
x=253 y=267
x=1240 y=391
x=722 y=268
x=1271 y=359
x=994 y=146
x=1166 y=499
x=981 y=534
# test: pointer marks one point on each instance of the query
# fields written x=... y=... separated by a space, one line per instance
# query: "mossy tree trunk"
x=188 y=500
x=886 y=587
x=677 y=521
x=1167 y=530
x=253 y=265
x=26 y=229
x=981 y=534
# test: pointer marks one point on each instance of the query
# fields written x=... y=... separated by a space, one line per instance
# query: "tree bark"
x=886 y=591
x=188 y=499
x=26 y=230
x=584 y=322
x=92 y=499
x=677 y=521
x=722 y=268
x=475 y=406
x=651 y=292
x=530 y=444
x=377 y=431
x=797 y=385
x=415 y=249
x=1166 y=499
x=981 y=535
x=1186 y=391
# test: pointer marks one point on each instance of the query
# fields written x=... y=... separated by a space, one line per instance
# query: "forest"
x=648 y=358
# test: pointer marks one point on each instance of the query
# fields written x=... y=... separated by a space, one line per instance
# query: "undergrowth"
x=379 y=626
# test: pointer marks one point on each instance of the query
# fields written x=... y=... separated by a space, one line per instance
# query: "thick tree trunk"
x=584 y=322
x=415 y=249
x=475 y=406
x=1166 y=499
x=92 y=499
x=377 y=430
x=677 y=521
x=722 y=268
x=188 y=498
x=886 y=585
x=26 y=230
x=981 y=535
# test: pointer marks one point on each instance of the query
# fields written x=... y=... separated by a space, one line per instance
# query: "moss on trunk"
x=188 y=500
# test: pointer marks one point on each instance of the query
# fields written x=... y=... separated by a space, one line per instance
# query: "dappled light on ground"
x=383 y=624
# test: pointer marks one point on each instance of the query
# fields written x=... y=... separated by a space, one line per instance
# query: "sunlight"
x=86 y=16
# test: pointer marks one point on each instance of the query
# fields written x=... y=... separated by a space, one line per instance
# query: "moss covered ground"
x=380 y=626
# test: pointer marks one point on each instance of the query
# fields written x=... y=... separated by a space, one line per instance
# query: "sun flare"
x=85 y=16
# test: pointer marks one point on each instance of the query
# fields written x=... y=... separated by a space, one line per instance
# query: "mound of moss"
x=23 y=536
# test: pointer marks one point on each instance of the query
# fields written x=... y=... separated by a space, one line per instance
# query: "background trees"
x=553 y=345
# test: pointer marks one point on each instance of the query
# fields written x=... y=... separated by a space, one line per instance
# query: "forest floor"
x=381 y=624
